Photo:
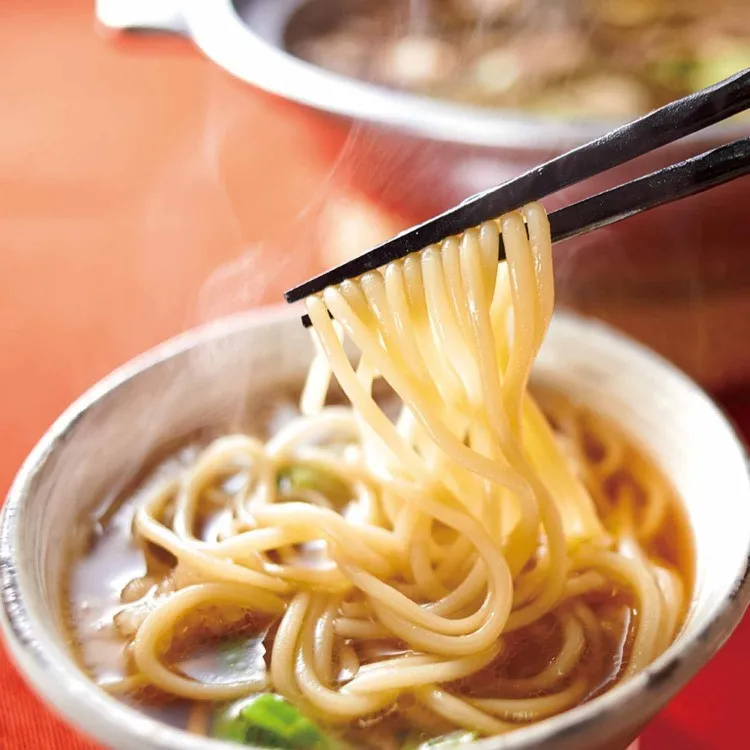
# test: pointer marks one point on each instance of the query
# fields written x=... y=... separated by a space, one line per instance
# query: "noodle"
x=407 y=557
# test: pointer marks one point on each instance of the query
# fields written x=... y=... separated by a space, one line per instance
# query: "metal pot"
x=678 y=278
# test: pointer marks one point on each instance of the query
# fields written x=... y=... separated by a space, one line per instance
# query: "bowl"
x=214 y=375
x=685 y=265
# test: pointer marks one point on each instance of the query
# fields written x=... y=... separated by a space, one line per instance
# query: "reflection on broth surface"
x=114 y=579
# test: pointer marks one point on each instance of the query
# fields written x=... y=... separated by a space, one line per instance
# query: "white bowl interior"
x=216 y=375
x=682 y=431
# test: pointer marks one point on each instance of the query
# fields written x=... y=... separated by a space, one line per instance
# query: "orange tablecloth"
x=142 y=191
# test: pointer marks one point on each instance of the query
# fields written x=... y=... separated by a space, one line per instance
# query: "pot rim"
x=223 y=36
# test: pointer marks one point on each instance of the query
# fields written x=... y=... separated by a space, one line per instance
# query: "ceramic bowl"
x=214 y=375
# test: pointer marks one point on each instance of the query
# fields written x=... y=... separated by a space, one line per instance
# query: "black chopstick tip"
x=297 y=293
x=307 y=323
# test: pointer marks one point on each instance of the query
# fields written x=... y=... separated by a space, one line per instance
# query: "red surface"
x=142 y=191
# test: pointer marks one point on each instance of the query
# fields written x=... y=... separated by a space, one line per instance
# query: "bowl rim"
x=223 y=36
x=81 y=703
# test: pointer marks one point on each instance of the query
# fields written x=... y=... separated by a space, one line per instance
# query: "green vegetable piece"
x=673 y=71
x=229 y=727
x=724 y=60
x=303 y=477
x=268 y=720
x=274 y=715
x=448 y=740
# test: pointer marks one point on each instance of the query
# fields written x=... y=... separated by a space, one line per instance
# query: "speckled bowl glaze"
x=213 y=375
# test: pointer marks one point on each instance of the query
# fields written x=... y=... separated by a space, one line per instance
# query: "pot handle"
x=155 y=15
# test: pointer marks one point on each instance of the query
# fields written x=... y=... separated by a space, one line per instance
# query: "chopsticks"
x=689 y=177
x=659 y=128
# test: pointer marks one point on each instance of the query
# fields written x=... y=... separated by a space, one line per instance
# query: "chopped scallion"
x=304 y=477
x=269 y=721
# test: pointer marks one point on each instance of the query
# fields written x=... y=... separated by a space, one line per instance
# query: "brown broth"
x=106 y=561
x=614 y=59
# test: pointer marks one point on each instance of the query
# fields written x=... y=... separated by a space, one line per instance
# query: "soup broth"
x=578 y=650
x=389 y=577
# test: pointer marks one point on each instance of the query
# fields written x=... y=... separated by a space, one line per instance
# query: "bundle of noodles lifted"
x=478 y=563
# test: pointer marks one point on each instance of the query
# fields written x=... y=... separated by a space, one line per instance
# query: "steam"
x=261 y=270
x=387 y=168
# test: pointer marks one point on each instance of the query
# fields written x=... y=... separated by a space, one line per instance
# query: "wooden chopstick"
x=665 y=125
